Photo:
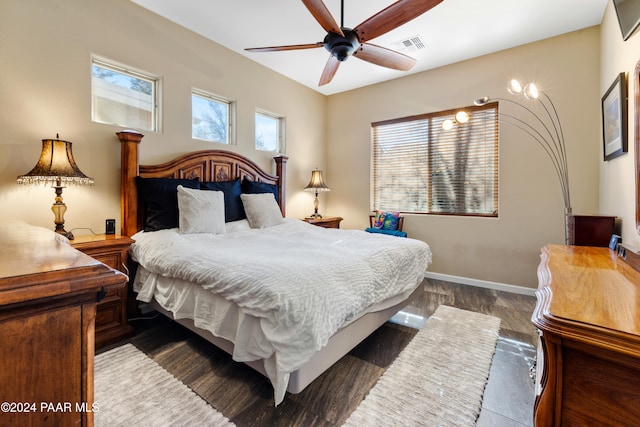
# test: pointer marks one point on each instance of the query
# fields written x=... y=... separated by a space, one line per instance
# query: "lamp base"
x=65 y=233
x=315 y=213
x=569 y=237
x=58 y=209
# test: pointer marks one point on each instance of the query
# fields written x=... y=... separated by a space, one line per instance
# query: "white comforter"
x=304 y=282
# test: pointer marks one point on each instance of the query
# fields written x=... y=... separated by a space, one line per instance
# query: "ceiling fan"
x=343 y=42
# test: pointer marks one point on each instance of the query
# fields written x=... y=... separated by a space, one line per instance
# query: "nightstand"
x=111 y=312
x=326 y=222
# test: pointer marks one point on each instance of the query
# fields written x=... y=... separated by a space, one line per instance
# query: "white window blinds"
x=419 y=167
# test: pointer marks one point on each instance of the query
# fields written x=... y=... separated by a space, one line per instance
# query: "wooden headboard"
x=207 y=165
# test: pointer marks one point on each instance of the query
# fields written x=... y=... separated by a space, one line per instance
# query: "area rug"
x=439 y=377
x=133 y=390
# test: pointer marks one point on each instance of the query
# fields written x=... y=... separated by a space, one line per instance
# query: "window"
x=269 y=132
x=210 y=117
x=123 y=97
x=419 y=167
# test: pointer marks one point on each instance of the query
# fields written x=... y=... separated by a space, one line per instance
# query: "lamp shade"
x=56 y=163
x=316 y=183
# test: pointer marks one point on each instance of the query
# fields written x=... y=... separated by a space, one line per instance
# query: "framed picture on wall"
x=614 y=118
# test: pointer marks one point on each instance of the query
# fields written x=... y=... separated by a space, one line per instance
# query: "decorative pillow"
x=200 y=211
x=160 y=200
x=386 y=220
x=233 y=209
x=253 y=187
x=262 y=210
x=383 y=231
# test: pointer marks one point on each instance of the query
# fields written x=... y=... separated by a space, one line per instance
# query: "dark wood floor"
x=246 y=397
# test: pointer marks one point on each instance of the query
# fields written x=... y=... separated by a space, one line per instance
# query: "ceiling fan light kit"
x=341 y=46
x=343 y=42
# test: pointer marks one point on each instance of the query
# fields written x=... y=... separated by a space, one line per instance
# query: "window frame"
x=156 y=84
x=426 y=154
x=280 y=123
x=230 y=110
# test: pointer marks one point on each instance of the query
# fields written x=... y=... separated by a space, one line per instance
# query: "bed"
x=273 y=296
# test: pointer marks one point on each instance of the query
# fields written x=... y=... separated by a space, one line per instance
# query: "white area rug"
x=133 y=390
x=439 y=377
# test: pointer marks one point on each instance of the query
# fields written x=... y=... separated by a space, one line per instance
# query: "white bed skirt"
x=217 y=320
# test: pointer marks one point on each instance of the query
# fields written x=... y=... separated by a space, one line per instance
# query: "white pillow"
x=239 y=225
x=200 y=211
x=262 y=209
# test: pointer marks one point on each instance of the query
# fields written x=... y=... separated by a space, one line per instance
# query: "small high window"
x=123 y=97
x=210 y=117
x=269 y=132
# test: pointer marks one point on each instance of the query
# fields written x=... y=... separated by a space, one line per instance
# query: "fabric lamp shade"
x=316 y=183
x=56 y=162
x=56 y=165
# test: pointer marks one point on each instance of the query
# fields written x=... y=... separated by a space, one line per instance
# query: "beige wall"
x=45 y=89
x=45 y=57
x=617 y=183
x=504 y=249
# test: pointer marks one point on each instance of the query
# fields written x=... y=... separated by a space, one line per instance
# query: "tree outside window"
x=269 y=132
x=210 y=118
x=421 y=167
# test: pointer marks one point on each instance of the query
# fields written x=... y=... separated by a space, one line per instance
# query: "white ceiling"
x=453 y=31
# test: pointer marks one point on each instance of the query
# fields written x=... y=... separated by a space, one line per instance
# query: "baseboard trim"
x=481 y=283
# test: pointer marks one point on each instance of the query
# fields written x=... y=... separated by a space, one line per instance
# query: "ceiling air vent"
x=409 y=45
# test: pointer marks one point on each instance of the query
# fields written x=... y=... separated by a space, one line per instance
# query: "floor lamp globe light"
x=536 y=115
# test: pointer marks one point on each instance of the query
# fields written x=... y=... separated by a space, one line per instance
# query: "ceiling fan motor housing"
x=342 y=47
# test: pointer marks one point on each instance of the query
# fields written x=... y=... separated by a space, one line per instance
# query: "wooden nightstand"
x=326 y=222
x=111 y=312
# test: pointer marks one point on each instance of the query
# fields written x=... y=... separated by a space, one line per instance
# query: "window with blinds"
x=418 y=166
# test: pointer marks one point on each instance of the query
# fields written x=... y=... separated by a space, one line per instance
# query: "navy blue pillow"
x=253 y=187
x=233 y=208
x=160 y=200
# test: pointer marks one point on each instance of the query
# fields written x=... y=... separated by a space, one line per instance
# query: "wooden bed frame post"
x=130 y=152
x=281 y=171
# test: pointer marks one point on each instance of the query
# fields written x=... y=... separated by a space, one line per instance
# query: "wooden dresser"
x=588 y=316
x=48 y=296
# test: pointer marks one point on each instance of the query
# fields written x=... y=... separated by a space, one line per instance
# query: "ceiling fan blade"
x=290 y=47
x=384 y=57
x=329 y=70
x=323 y=16
x=395 y=15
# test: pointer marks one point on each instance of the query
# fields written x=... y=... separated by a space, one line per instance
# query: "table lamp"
x=56 y=165
x=316 y=184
